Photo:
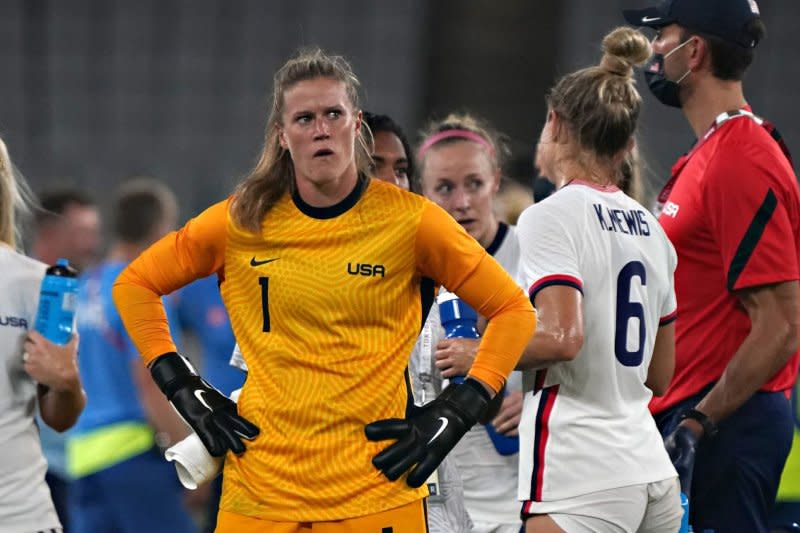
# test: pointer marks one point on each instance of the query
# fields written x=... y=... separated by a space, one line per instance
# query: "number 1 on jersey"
x=264 y=282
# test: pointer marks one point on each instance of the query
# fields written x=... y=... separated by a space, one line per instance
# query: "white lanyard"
x=425 y=359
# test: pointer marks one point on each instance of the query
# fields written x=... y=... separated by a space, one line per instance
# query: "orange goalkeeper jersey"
x=326 y=304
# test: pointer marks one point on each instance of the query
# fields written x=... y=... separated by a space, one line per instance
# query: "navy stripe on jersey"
x=499 y=237
x=751 y=238
x=555 y=279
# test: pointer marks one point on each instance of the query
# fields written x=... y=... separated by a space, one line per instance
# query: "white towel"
x=193 y=463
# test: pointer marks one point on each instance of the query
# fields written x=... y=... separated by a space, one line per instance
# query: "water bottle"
x=685 y=527
x=460 y=321
x=55 y=317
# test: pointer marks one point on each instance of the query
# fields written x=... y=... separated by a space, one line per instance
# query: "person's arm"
x=748 y=206
x=159 y=412
x=55 y=369
x=195 y=251
x=774 y=312
x=507 y=420
x=454 y=357
x=559 y=335
x=662 y=365
x=447 y=253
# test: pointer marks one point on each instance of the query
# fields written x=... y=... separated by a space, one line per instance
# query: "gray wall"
x=99 y=90
x=95 y=91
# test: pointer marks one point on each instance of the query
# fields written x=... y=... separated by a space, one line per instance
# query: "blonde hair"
x=274 y=175
x=15 y=199
x=600 y=105
x=497 y=144
x=512 y=199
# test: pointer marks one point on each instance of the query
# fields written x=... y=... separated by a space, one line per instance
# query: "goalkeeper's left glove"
x=429 y=432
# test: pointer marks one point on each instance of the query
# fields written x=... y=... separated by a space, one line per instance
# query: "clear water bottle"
x=460 y=321
x=55 y=317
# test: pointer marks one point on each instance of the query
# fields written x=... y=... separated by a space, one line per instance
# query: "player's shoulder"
x=560 y=207
x=380 y=189
x=20 y=267
x=388 y=200
x=22 y=277
x=744 y=139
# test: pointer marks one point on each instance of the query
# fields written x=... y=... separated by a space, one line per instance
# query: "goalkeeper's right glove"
x=212 y=415
x=429 y=432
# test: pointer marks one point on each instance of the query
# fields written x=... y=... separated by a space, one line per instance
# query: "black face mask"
x=666 y=91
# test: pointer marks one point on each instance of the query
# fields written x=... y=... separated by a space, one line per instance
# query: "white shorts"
x=647 y=508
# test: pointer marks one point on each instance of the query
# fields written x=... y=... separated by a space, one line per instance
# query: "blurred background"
x=96 y=91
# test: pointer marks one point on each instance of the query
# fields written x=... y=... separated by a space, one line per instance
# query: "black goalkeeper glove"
x=681 y=446
x=428 y=434
x=211 y=414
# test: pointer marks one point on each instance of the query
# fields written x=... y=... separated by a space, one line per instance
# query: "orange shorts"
x=409 y=518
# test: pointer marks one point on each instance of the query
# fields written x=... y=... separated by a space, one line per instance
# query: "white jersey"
x=490 y=479
x=585 y=423
x=25 y=503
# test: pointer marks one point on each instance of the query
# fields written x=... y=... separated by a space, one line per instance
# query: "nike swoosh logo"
x=199 y=395
x=441 y=428
x=255 y=263
x=650 y=19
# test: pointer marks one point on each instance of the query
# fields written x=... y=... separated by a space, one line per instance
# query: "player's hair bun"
x=623 y=49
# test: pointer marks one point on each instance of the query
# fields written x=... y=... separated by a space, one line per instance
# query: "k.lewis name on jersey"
x=627 y=221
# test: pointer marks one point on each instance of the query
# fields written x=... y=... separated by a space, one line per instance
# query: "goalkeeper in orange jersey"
x=327 y=277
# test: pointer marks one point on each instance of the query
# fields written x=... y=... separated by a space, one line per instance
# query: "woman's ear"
x=498 y=178
x=282 y=139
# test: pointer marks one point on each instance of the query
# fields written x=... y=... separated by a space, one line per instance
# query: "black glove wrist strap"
x=709 y=427
x=171 y=371
x=470 y=398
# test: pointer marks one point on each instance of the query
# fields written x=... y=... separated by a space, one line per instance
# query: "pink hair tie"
x=449 y=134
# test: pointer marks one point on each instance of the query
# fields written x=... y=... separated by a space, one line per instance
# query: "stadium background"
x=95 y=91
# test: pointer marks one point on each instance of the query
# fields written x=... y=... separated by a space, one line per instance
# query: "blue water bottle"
x=685 y=527
x=55 y=317
x=460 y=321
